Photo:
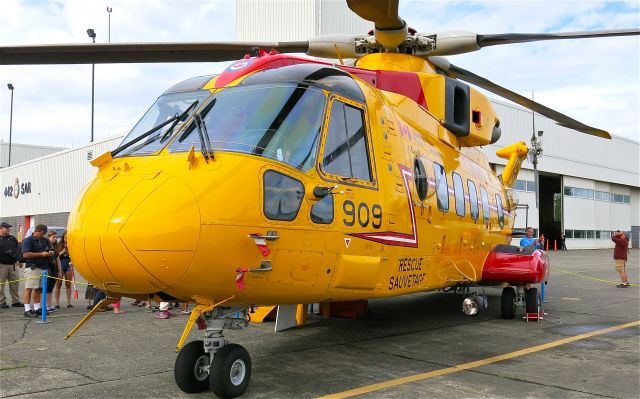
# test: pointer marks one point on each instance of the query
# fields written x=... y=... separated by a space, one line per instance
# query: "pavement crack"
x=93 y=381
x=68 y=370
x=22 y=335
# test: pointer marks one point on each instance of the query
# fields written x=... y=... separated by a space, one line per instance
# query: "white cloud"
x=595 y=81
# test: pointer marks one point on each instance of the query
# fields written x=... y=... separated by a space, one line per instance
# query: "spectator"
x=9 y=252
x=54 y=269
x=164 y=312
x=66 y=268
x=620 y=256
x=563 y=244
x=529 y=241
x=116 y=307
x=37 y=253
x=89 y=294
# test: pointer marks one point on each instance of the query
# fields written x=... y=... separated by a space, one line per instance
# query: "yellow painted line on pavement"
x=589 y=277
x=470 y=365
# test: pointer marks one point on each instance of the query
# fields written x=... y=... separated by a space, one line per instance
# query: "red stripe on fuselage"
x=392 y=237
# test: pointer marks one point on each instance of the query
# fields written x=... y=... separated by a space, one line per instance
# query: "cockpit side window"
x=346 y=152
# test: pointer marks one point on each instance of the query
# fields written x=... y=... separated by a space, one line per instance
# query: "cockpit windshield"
x=166 y=107
x=281 y=122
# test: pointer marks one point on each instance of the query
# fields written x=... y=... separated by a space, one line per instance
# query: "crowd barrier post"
x=43 y=302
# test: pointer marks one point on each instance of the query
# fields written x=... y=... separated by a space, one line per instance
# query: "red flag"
x=261 y=244
x=240 y=278
x=73 y=281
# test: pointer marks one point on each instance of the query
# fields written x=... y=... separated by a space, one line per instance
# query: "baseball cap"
x=41 y=227
x=5 y=224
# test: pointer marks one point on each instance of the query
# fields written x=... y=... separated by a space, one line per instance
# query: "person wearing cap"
x=620 y=256
x=8 y=259
x=37 y=252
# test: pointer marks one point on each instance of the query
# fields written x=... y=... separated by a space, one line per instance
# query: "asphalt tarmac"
x=416 y=346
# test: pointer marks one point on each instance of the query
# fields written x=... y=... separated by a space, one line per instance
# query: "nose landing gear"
x=214 y=362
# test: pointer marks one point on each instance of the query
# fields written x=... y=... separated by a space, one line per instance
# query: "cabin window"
x=420 y=178
x=322 y=211
x=500 y=211
x=473 y=199
x=346 y=151
x=458 y=190
x=282 y=196
x=442 y=188
x=485 y=205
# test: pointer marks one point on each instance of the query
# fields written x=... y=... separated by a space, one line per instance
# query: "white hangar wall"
x=295 y=20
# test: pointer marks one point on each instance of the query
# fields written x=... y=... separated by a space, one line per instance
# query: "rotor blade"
x=389 y=29
x=383 y=13
x=460 y=42
x=511 y=38
x=561 y=119
x=138 y=52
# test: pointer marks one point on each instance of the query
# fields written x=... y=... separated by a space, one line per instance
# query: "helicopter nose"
x=139 y=234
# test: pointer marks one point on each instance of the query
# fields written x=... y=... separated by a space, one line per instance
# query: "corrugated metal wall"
x=336 y=18
x=23 y=152
x=282 y=20
x=276 y=20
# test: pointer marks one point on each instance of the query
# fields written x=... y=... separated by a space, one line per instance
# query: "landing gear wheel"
x=190 y=370
x=533 y=301
x=508 y=303
x=230 y=371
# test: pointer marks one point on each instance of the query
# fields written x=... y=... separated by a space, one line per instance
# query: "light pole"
x=109 y=9
x=92 y=35
x=10 y=86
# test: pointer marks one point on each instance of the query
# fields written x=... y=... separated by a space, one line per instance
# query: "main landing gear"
x=214 y=361
x=519 y=297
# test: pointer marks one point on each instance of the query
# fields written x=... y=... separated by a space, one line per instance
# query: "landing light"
x=474 y=304
x=470 y=307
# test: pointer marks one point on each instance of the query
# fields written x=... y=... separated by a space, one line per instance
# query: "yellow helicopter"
x=289 y=180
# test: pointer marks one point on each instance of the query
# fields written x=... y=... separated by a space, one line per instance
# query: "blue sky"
x=595 y=81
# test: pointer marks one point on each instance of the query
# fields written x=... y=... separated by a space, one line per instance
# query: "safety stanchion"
x=555 y=245
x=43 y=302
x=547 y=243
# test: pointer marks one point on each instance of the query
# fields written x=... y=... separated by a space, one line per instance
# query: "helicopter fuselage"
x=384 y=201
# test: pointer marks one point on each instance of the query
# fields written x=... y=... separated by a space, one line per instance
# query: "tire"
x=533 y=301
x=188 y=372
x=230 y=371
x=508 y=303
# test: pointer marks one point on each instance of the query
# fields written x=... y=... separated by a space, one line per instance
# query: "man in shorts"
x=620 y=256
x=36 y=251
